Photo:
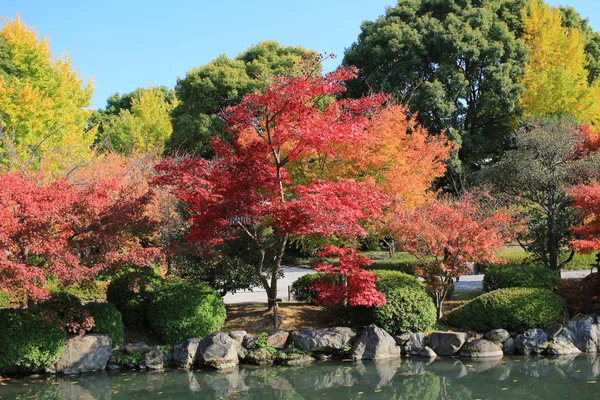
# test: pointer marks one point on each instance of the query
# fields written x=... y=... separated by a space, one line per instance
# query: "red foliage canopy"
x=356 y=286
x=66 y=232
x=446 y=234
x=247 y=182
x=586 y=199
x=247 y=186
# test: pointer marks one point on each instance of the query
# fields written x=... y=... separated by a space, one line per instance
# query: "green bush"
x=130 y=293
x=31 y=340
x=407 y=309
x=389 y=280
x=516 y=309
x=301 y=288
x=107 y=320
x=181 y=309
x=500 y=276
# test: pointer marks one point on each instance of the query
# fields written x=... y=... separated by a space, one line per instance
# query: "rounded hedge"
x=301 y=288
x=516 y=309
x=31 y=340
x=407 y=309
x=130 y=293
x=500 y=276
x=389 y=280
x=108 y=321
x=181 y=309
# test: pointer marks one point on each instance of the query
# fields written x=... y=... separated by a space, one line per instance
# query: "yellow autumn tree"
x=145 y=127
x=555 y=77
x=43 y=105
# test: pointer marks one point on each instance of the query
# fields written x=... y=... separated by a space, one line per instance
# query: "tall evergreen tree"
x=454 y=62
x=206 y=91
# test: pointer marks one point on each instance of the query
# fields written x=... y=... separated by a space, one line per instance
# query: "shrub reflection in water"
x=509 y=378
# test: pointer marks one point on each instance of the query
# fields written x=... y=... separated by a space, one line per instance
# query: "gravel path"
x=258 y=295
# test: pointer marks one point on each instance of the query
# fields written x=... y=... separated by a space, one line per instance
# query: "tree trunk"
x=552 y=242
x=439 y=309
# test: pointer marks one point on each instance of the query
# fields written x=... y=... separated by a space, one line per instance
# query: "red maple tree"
x=355 y=286
x=446 y=234
x=68 y=233
x=586 y=199
x=246 y=187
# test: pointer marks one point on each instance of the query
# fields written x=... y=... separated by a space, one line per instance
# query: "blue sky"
x=128 y=44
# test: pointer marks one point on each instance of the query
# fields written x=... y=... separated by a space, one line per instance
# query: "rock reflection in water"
x=414 y=378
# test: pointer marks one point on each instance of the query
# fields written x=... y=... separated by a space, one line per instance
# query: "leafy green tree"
x=549 y=156
x=206 y=91
x=137 y=122
x=455 y=62
x=7 y=66
x=572 y=19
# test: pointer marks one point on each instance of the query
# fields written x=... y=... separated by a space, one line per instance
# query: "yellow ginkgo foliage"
x=555 y=77
x=43 y=106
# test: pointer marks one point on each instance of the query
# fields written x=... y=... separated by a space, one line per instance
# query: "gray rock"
x=185 y=353
x=498 y=336
x=84 y=354
x=553 y=331
x=509 y=346
x=218 y=350
x=533 y=341
x=561 y=346
x=414 y=344
x=402 y=338
x=329 y=339
x=373 y=343
x=259 y=356
x=584 y=333
x=447 y=343
x=481 y=348
x=301 y=360
x=250 y=341
x=238 y=336
x=428 y=352
x=154 y=359
x=140 y=347
x=278 y=339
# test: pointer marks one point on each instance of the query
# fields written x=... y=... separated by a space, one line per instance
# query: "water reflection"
x=530 y=378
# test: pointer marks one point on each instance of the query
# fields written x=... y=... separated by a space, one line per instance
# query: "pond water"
x=509 y=378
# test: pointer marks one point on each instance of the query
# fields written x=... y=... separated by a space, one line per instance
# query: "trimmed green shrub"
x=516 y=309
x=31 y=340
x=389 y=280
x=301 y=288
x=108 y=321
x=500 y=276
x=130 y=293
x=181 y=309
x=407 y=309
